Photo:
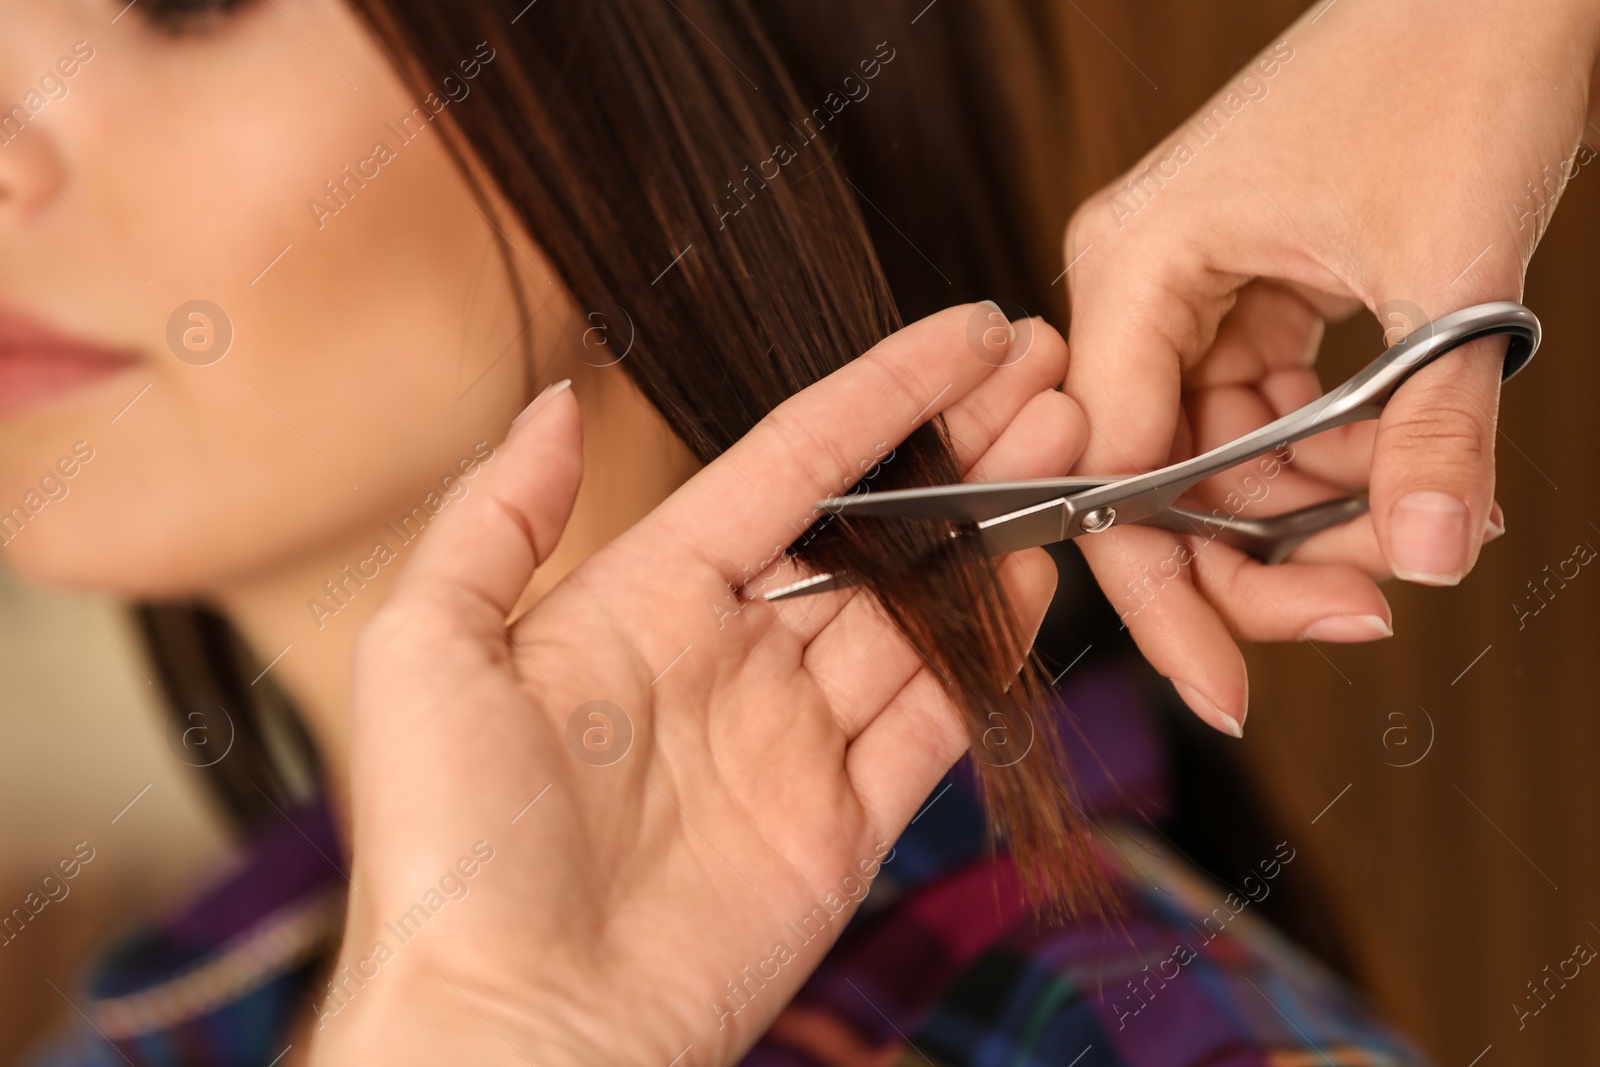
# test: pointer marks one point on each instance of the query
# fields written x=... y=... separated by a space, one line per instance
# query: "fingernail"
x=1344 y=628
x=548 y=393
x=1496 y=524
x=1011 y=331
x=1203 y=707
x=1429 y=538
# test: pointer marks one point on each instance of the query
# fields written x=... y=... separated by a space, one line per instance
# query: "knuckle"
x=1445 y=427
x=1090 y=220
x=814 y=455
x=936 y=350
x=945 y=329
x=905 y=378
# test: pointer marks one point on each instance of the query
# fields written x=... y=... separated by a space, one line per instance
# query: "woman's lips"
x=39 y=364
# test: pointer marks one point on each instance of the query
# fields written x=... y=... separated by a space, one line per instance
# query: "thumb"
x=488 y=546
x=1432 y=482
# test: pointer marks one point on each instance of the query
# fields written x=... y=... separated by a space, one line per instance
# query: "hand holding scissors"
x=1014 y=515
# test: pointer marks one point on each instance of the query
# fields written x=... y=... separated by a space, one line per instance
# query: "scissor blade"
x=1040 y=524
x=1027 y=528
x=817 y=583
x=977 y=502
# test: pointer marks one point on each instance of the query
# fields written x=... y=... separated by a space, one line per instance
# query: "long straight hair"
x=624 y=137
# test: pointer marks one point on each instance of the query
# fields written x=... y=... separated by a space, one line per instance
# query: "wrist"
x=1559 y=46
x=410 y=1006
x=402 y=1026
x=426 y=1009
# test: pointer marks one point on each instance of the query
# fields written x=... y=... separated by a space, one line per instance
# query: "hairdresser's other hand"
x=1404 y=155
x=597 y=872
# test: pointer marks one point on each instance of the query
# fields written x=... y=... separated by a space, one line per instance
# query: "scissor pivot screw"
x=1099 y=519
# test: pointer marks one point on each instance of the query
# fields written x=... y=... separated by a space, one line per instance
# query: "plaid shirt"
x=946 y=967
x=942 y=967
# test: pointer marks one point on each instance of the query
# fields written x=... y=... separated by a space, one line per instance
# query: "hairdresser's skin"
x=368 y=363
x=1406 y=158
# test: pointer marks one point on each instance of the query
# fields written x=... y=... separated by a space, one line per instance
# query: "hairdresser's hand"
x=1404 y=155
x=612 y=886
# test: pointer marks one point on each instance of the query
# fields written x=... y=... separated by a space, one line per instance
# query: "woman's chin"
x=90 y=566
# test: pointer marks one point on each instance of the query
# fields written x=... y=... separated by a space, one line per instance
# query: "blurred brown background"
x=1455 y=880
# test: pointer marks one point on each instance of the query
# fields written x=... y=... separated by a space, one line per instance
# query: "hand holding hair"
x=776 y=751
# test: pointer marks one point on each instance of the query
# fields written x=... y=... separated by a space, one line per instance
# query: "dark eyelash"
x=184 y=16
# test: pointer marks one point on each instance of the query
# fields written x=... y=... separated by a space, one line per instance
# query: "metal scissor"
x=1016 y=515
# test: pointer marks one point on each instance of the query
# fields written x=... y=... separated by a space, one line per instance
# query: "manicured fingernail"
x=1213 y=715
x=1343 y=628
x=1496 y=524
x=545 y=396
x=1011 y=331
x=1429 y=538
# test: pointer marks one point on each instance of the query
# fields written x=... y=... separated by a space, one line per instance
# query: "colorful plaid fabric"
x=942 y=967
x=954 y=976
x=945 y=967
x=220 y=982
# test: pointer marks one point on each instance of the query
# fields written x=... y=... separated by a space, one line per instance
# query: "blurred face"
x=245 y=305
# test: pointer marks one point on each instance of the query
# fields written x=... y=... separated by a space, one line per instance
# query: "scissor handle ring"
x=1449 y=332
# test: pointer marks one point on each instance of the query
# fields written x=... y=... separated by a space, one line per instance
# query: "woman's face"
x=257 y=170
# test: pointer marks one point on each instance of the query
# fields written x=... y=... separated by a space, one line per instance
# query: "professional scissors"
x=1016 y=515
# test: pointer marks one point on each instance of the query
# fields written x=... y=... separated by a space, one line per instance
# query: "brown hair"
x=615 y=134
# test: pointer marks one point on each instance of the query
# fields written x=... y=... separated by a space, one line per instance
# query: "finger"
x=1043 y=441
x=1143 y=310
x=1356 y=543
x=1270 y=328
x=1433 y=465
x=899 y=755
x=1007 y=402
x=1225 y=414
x=744 y=507
x=487 y=545
x=1340 y=457
x=845 y=639
x=861 y=660
x=1176 y=629
x=979 y=418
x=1125 y=373
x=1130 y=341
x=1290 y=601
